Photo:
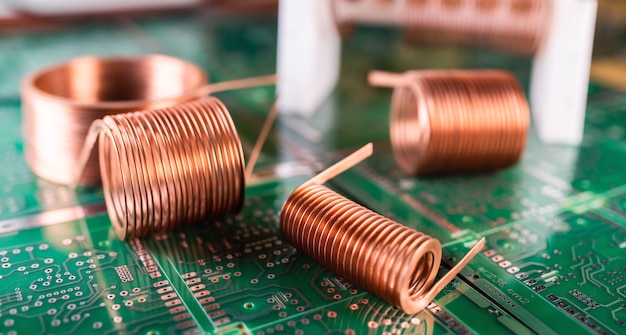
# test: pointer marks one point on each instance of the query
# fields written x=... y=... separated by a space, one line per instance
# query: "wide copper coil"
x=163 y=168
x=456 y=121
x=518 y=26
x=61 y=102
x=396 y=263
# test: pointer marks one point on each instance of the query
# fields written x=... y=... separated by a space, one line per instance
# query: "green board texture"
x=555 y=224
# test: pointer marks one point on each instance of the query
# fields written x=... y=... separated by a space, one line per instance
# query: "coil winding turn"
x=394 y=262
x=456 y=121
x=167 y=167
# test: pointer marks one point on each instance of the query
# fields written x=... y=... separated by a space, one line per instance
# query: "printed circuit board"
x=555 y=224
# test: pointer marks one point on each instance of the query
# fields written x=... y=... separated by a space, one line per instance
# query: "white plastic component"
x=560 y=77
x=309 y=49
x=309 y=53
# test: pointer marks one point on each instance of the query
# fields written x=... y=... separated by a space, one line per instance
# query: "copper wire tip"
x=394 y=262
x=455 y=121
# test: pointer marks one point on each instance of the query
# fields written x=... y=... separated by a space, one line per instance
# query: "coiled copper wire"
x=456 y=121
x=518 y=26
x=394 y=262
x=61 y=102
x=167 y=167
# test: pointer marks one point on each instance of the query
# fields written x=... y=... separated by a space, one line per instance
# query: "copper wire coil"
x=164 y=168
x=61 y=102
x=457 y=121
x=517 y=26
x=396 y=263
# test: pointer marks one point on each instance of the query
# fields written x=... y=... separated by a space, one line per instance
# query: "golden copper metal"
x=455 y=121
x=265 y=131
x=518 y=26
x=394 y=262
x=164 y=168
x=61 y=102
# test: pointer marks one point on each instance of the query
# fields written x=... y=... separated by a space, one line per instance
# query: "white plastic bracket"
x=560 y=75
x=309 y=50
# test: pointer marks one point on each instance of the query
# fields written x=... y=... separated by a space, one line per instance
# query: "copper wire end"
x=263 y=134
x=456 y=121
x=394 y=262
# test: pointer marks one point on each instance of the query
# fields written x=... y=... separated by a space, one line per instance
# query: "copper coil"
x=164 y=168
x=518 y=26
x=456 y=121
x=61 y=102
x=394 y=262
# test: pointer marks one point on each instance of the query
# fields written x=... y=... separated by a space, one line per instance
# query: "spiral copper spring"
x=61 y=102
x=167 y=167
x=455 y=121
x=394 y=262
x=518 y=26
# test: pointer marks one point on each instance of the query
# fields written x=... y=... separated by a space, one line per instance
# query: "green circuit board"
x=555 y=224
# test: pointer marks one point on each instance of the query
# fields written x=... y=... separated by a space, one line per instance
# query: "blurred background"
x=18 y=16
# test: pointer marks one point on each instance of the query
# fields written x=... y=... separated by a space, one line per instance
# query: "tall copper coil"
x=61 y=102
x=456 y=121
x=518 y=26
x=167 y=167
x=394 y=262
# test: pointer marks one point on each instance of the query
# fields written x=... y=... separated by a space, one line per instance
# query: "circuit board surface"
x=555 y=223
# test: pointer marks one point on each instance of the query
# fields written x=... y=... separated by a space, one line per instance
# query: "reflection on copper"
x=61 y=102
x=518 y=26
x=164 y=168
x=455 y=121
x=394 y=262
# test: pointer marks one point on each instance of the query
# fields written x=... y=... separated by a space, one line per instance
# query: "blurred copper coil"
x=164 y=168
x=456 y=121
x=61 y=102
x=394 y=262
x=518 y=26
